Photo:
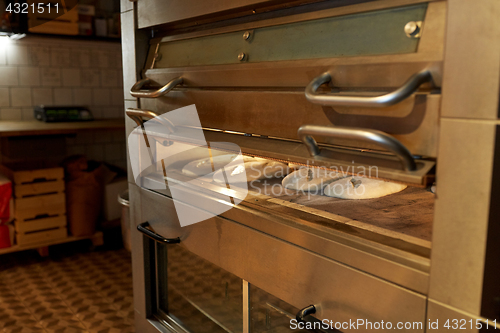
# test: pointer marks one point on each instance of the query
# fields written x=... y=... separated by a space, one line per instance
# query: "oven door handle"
x=374 y=137
x=136 y=91
x=137 y=115
x=394 y=97
x=143 y=228
x=304 y=316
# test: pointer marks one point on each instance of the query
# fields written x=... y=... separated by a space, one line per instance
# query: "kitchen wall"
x=57 y=71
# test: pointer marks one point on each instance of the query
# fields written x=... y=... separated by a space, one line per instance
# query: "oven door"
x=181 y=291
x=223 y=276
x=194 y=295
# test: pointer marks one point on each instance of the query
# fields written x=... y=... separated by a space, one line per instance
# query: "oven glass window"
x=196 y=294
x=270 y=314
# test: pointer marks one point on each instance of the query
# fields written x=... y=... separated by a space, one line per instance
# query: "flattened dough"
x=202 y=167
x=310 y=179
x=255 y=170
x=361 y=188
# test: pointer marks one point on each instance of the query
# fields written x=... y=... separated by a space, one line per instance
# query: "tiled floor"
x=70 y=291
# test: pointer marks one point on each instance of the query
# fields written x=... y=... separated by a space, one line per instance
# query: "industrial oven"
x=407 y=87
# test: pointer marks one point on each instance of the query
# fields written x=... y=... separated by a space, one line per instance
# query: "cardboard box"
x=112 y=209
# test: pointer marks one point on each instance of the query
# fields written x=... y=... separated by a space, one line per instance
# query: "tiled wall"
x=107 y=146
x=56 y=71
x=60 y=72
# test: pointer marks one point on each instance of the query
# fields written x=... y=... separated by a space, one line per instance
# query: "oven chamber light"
x=7 y=37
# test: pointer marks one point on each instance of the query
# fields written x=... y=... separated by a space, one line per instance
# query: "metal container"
x=123 y=200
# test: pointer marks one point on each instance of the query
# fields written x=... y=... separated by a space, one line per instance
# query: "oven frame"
x=469 y=121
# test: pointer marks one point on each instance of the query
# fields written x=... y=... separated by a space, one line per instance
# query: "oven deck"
x=409 y=212
x=407 y=215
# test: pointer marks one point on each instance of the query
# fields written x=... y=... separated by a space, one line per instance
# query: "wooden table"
x=27 y=128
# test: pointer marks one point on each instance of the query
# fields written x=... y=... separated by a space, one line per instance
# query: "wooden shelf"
x=25 y=128
x=97 y=239
x=77 y=37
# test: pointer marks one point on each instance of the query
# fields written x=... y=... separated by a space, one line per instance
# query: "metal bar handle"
x=136 y=91
x=143 y=228
x=138 y=114
x=304 y=316
x=394 y=97
x=375 y=137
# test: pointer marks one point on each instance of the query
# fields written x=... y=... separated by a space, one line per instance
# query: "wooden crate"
x=49 y=187
x=41 y=236
x=20 y=176
x=40 y=204
x=44 y=223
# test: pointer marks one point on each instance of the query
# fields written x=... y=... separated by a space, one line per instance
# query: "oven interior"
x=248 y=87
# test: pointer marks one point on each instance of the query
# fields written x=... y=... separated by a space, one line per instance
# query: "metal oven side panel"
x=465 y=235
x=291 y=273
x=153 y=12
x=442 y=317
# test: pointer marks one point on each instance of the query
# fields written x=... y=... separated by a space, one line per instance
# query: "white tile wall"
x=27 y=113
x=83 y=96
x=11 y=114
x=95 y=152
x=107 y=146
x=71 y=77
x=40 y=71
x=29 y=76
x=20 y=96
x=91 y=77
x=39 y=56
x=60 y=57
x=113 y=151
x=35 y=71
x=4 y=97
x=81 y=58
x=42 y=96
x=63 y=96
x=116 y=96
x=101 y=96
x=8 y=76
x=3 y=57
x=17 y=54
x=110 y=77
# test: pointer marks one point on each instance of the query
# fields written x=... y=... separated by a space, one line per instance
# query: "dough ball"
x=202 y=167
x=249 y=171
x=310 y=179
x=296 y=166
x=361 y=188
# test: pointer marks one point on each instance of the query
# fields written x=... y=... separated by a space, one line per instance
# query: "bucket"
x=125 y=220
x=4 y=236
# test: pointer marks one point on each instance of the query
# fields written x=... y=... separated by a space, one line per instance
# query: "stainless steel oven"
x=407 y=86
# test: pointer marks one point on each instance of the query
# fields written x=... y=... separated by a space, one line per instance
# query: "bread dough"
x=202 y=167
x=361 y=188
x=310 y=179
x=296 y=166
x=249 y=171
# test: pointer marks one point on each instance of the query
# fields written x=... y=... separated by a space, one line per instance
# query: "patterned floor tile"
x=70 y=292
